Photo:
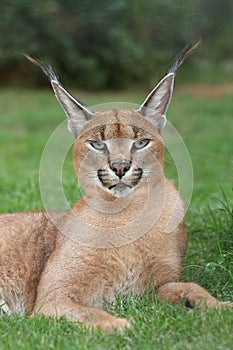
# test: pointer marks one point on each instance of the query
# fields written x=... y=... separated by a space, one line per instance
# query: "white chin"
x=119 y=190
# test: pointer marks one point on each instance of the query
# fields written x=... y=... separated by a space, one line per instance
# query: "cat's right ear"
x=76 y=112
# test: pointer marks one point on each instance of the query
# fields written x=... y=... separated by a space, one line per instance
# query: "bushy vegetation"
x=113 y=44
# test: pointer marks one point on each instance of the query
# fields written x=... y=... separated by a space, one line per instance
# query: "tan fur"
x=113 y=242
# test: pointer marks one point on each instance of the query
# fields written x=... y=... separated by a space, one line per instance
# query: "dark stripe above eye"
x=136 y=130
x=102 y=132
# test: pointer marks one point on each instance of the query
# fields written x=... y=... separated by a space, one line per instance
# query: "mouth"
x=119 y=186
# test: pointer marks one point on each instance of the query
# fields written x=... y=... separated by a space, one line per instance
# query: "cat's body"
x=126 y=235
x=40 y=265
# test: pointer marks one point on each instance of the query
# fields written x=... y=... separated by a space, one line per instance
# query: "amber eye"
x=98 y=145
x=139 y=144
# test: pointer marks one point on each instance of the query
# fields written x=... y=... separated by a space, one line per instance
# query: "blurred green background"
x=107 y=44
x=99 y=47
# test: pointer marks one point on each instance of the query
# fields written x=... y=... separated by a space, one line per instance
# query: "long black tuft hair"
x=46 y=68
x=180 y=58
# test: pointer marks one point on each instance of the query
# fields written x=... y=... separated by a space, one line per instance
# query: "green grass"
x=27 y=119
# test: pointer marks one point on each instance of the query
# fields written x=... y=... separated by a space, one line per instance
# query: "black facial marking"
x=105 y=180
x=136 y=130
x=138 y=172
x=136 y=176
x=102 y=132
x=102 y=174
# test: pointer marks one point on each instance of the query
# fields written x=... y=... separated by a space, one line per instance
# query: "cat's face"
x=117 y=152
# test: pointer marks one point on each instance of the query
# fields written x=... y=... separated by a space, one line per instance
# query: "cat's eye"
x=98 y=145
x=139 y=144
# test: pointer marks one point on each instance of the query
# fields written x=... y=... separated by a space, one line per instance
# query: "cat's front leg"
x=91 y=317
x=191 y=293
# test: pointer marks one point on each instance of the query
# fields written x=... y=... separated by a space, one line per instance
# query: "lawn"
x=27 y=119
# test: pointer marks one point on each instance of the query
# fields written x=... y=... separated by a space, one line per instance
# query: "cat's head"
x=117 y=151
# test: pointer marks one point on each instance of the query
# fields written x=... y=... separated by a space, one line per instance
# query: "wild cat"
x=126 y=234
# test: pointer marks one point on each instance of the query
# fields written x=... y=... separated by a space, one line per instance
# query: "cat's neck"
x=99 y=205
x=108 y=222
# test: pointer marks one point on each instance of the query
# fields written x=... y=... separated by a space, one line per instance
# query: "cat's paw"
x=224 y=304
x=115 y=323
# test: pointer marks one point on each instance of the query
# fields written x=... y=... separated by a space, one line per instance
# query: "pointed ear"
x=76 y=112
x=156 y=104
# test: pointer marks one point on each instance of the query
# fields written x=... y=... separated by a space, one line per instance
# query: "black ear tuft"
x=156 y=104
x=46 y=68
x=180 y=58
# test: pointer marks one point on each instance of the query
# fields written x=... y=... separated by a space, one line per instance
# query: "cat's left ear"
x=155 y=106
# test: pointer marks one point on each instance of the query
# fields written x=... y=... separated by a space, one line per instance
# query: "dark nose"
x=120 y=168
